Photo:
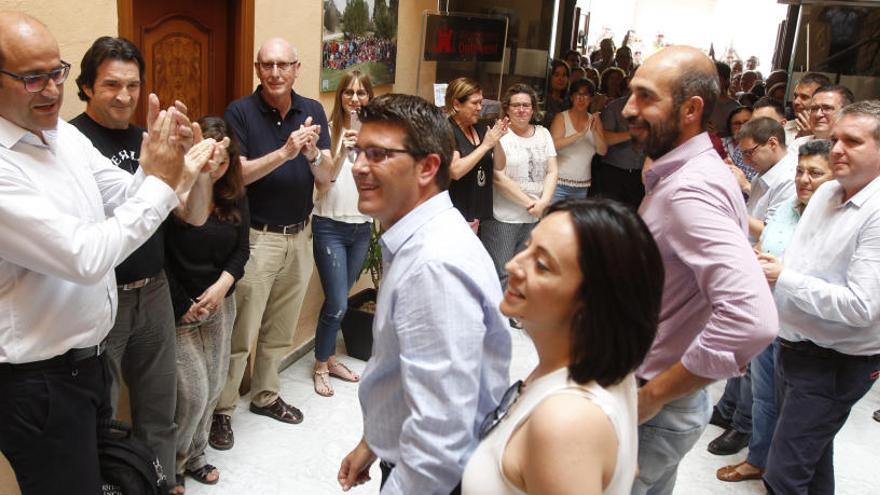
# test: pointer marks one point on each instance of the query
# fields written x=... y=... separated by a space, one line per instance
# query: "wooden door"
x=199 y=51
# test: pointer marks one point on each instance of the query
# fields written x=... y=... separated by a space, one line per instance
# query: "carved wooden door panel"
x=187 y=54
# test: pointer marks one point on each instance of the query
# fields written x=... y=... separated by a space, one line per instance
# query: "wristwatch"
x=316 y=162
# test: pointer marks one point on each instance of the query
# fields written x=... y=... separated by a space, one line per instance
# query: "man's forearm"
x=256 y=169
x=195 y=204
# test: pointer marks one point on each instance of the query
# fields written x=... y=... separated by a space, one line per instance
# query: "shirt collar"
x=395 y=237
x=861 y=197
x=669 y=163
x=295 y=101
x=11 y=134
x=782 y=171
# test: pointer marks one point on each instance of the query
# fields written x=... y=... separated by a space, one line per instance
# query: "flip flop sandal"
x=322 y=384
x=201 y=474
x=342 y=377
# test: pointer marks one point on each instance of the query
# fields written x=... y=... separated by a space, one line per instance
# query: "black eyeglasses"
x=495 y=417
x=282 y=66
x=749 y=152
x=374 y=154
x=36 y=82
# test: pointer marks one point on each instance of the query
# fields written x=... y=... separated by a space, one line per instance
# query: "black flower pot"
x=357 y=326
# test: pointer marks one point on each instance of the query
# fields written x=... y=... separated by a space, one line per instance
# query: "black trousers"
x=387 y=467
x=620 y=185
x=815 y=391
x=48 y=424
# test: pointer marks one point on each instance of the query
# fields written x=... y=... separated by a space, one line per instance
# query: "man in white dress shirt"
x=828 y=293
x=57 y=253
x=441 y=348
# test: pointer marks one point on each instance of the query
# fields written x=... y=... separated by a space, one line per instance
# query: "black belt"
x=808 y=348
x=292 y=229
x=70 y=357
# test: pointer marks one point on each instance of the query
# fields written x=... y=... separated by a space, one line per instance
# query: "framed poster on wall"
x=362 y=35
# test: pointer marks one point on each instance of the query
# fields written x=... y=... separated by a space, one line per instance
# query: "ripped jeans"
x=340 y=249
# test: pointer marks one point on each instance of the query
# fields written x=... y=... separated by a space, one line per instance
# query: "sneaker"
x=221 y=437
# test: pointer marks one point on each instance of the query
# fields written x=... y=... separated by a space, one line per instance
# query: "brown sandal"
x=730 y=473
x=322 y=380
x=351 y=376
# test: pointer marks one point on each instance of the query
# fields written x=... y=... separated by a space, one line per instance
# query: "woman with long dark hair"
x=587 y=290
x=203 y=263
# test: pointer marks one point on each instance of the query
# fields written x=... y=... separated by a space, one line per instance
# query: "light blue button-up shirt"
x=441 y=350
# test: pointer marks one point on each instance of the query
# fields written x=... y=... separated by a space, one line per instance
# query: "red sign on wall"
x=464 y=38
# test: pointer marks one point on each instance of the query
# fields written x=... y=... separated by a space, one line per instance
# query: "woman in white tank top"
x=571 y=426
x=578 y=135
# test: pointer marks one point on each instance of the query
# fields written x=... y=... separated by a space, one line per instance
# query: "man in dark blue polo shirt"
x=284 y=145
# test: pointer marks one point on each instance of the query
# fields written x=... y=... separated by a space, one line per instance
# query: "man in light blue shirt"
x=441 y=348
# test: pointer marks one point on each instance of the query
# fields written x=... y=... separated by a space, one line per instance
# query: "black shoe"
x=877 y=415
x=730 y=442
x=718 y=420
x=221 y=437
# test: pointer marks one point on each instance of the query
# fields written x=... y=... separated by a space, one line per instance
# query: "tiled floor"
x=273 y=458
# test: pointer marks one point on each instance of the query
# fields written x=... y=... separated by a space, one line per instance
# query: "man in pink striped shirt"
x=717 y=308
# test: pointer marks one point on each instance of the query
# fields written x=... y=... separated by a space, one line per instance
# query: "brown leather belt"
x=292 y=229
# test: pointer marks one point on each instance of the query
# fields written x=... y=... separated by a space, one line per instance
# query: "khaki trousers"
x=269 y=297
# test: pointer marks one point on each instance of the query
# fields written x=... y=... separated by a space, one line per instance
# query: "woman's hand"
x=349 y=138
x=213 y=296
x=537 y=209
x=195 y=314
x=496 y=132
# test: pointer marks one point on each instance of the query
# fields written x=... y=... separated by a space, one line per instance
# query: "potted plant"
x=357 y=324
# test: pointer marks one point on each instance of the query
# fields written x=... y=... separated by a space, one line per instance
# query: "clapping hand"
x=162 y=153
x=496 y=132
x=299 y=141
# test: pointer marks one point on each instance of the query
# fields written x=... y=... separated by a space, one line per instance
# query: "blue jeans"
x=569 y=192
x=762 y=369
x=735 y=403
x=340 y=249
x=666 y=438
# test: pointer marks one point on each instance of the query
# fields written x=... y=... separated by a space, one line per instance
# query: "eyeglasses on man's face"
x=374 y=154
x=751 y=151
x=37 y=81
x=281 y=66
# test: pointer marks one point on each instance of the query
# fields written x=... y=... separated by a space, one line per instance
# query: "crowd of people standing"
x=157 y=257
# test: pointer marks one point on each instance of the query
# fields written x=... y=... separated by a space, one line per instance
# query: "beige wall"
x=75 y=26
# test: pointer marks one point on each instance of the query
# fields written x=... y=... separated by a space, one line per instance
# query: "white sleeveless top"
x=575 y=159
x=483 y=474
x=340 y=202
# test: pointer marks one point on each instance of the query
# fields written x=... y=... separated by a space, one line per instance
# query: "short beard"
x=661 y=137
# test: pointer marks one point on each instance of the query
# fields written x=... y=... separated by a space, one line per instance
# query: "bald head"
x=687 y=73
x=673 y=94
x=17 y=29
x=276 y=46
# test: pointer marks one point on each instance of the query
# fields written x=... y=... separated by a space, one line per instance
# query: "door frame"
x=242 y=34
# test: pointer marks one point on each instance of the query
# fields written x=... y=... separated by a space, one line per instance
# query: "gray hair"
x=866 y=108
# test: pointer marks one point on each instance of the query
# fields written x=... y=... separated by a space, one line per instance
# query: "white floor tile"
x=274 y=458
